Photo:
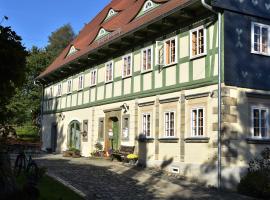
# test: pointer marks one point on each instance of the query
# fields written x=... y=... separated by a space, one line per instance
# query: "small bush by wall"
x=256 y=182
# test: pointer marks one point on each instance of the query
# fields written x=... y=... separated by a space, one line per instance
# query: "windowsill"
x=168 y=140
x=107 y=82
x=171 y=64
x=93 y=85
x=124 y=77
x=198 y=56
x=79 y=90
x=258 y=140
x=146 y=71
x=260 y=53
x=69 y=93
x=197 y=140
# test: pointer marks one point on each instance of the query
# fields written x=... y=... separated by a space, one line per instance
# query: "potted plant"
x=132 y=158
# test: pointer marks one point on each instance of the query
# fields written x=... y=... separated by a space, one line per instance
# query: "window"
x=259 y=122
x=85 y=131
x=260 y=42
x=198 y=42
x=72 y=50
x=197 y=122
x=101 y=128
x=51 y=92
x=148 y=5
x=125 y=125
x=111 y=13
x=169 y=124
x=59 y=89
x=147 y=59
x=170 y=51
x=80 y=86
x=69 y=86
x=146 y=124
x=101 y=32
x=93 y=80
x=109 y=72
x=126 y=66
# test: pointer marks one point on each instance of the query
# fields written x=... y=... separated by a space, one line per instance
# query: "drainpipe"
x=209 y=7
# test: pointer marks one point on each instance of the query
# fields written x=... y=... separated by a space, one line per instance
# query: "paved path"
x=106 y=180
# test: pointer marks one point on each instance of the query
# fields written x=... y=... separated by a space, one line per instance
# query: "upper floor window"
x=259 y=122
x=101 y=32
x=148 y=5
x=126 y=66
x=109 y=71
x=197 y=42
x=51 y=92
x=260 y=41
x=169 y=124
x=170 y=51
x=197 y=122
x=146 y=124
x=69 y=86
x=80 y=86
x=93 y=75
x=111 y=13
x=59 y=90
x=147 y=59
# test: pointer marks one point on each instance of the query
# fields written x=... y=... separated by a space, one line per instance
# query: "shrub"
x=256 y=182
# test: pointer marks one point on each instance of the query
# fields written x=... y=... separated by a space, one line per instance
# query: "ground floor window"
x=125 y=124
x=169 y=124
x=146 y=124
x=197 y=122
x=259 y=122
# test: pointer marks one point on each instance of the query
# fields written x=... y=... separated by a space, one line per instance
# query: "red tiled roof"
x=124 y=20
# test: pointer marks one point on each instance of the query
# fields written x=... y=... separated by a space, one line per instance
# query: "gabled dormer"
x=110 y=14
x=147 y=6
x=72 y=50
x=102 y=32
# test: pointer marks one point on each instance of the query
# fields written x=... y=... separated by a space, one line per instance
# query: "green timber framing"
x=181 y=32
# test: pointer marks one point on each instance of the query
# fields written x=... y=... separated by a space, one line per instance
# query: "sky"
x=35 y=20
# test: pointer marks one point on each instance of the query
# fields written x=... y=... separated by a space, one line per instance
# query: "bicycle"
x=25 y=164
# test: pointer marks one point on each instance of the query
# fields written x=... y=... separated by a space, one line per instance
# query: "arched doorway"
x=74 y=136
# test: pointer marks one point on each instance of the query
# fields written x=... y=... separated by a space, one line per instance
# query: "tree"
x=12 y=67
x=59 y=39
x=24 y=107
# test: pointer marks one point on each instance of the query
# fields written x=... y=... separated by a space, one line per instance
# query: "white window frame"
x=152 y=60
x=80 y=82
x=123 y=65
x=174 y=125
x=142 y=125
x=165 y=51
x=91 y=73
x=106 y=65
x=197 y=122
x=145 y=8
x=252 y=122
x=204 y=41
x=253 y=24
x=69 y=82
x=111 y=13
x=101 y=32
x=59 y=89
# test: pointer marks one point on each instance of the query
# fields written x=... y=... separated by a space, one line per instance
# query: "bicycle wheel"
x=19 y=164
x=32 y=170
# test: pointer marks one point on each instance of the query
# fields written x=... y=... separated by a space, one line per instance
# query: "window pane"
x=149 y=60
x=201 y=41
x=172 y=51
x=257 y=42
x=194 y=43
x=265 y=40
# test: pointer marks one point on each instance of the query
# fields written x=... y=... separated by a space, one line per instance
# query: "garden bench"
x=122 y=153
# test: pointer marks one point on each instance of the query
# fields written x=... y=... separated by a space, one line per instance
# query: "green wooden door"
x=115 y=128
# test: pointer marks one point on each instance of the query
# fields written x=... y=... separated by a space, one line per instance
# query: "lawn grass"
x=50 y=189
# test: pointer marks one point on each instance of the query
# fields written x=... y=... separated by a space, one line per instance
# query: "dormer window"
x=148 y=5
x=102 y=32
x=111 y=13
x=72 y=50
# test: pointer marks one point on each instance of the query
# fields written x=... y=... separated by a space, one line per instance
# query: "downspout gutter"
x=209 y=7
